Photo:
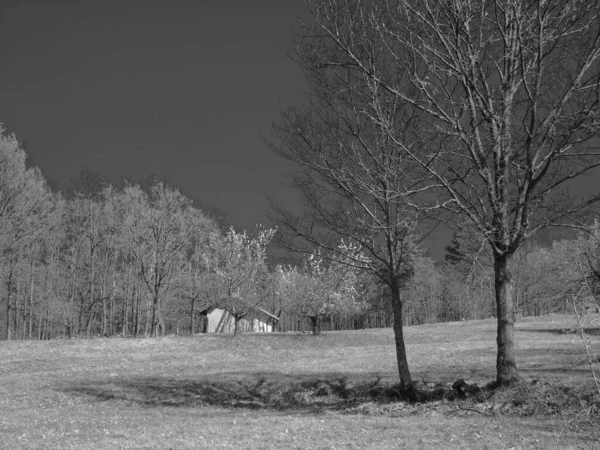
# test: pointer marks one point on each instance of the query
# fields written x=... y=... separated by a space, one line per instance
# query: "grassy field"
x=296 y=391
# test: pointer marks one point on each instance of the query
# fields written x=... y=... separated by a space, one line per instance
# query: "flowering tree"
x=316 y=290
x=240 y=272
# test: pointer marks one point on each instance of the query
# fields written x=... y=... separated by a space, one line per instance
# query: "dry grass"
x=297 y=391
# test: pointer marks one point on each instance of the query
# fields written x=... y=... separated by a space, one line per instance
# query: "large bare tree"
x=508 y=92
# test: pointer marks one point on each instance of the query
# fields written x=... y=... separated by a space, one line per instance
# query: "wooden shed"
x=220 y=321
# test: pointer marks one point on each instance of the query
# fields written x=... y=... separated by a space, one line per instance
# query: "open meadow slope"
x=288 y=390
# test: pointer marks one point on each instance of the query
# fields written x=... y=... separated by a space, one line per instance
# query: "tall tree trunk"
x=104 y=322
x=148 y=318
x=237 y=318
x=72 y=312
x=80 y=324
x=111 y=296
x=124 y=306
x=158 y=324
x=506 y=368
x=40 y=322
x=18 y=312
x=192 y=324
x=47 y=326
x=314 y=322
x=154 y=321
x=91 y=299
x=90 y=321
x=136 y=315
x=403 y=371
x=8 y=304
x=30 y=316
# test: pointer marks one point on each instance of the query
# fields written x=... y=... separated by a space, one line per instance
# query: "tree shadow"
x=266 y=391
x=273 y=392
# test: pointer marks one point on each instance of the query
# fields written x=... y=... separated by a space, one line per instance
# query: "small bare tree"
x=354 y=183
x=508 y=92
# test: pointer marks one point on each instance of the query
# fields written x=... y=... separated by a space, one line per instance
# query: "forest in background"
x=145 y=260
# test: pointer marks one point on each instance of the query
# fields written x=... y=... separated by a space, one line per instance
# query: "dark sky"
x=179 y=89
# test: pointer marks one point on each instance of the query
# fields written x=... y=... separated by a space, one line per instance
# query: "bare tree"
x=509 y=93
x=25 y=204
x=354 y=183
x=196 y=281
x=159 y=231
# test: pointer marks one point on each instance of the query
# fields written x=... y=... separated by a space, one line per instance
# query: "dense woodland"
x=143 y=260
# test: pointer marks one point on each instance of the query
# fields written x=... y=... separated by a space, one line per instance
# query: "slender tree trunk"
x=154 y=322
x=113 y=301
x=124 y=311
x=8 y=305
x=47 y=326
x=192 y=324
x=18 y=312
x=506 y=368
x=314 y=322
x=40 y=320
x=92 y=271
x=91 y=283
x=158 y=324
x=89 y=322
x=77 y=316
x=137 y=316
x=30 y=317
x=148 y=318
x=133 y=309
x=397 y=309
x=104 y=322
x=237 y=318
x=80 y=325
x=72 y=313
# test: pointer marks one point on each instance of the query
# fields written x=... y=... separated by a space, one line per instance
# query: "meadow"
x=298 y=391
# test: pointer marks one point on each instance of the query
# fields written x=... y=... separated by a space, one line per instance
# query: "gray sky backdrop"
x=180 y=89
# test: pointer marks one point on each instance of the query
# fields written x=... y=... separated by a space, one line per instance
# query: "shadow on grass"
x=307 y=394
x=561 y=331
x=268 y=390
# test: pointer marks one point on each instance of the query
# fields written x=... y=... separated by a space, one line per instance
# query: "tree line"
x=139 y=259
x=144 y=260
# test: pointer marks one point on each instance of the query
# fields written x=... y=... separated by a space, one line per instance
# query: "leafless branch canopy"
x=504 y=95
